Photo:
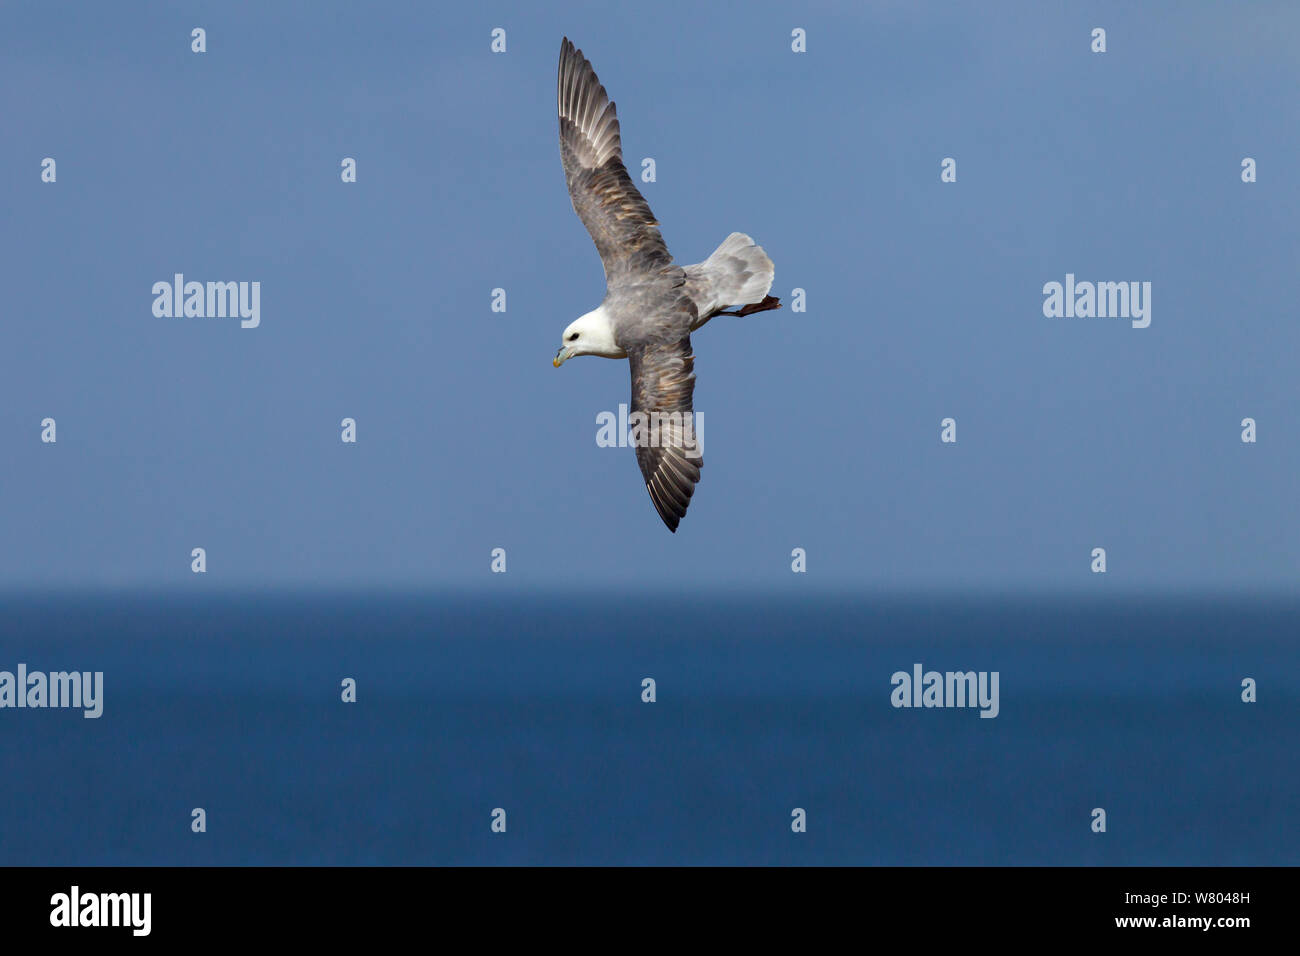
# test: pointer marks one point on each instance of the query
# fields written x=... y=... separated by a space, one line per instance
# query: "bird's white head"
x=592 y=334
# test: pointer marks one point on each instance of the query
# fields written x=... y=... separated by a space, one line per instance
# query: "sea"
x=320 y=728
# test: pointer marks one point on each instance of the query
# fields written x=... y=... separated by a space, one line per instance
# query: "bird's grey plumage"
x=652 y=304
x=663 y=384
x=608 y=203
x=738 y=271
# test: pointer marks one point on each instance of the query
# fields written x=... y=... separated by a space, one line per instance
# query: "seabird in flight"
x=651 y=305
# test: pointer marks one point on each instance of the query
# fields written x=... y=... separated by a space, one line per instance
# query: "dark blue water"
x=233 y=704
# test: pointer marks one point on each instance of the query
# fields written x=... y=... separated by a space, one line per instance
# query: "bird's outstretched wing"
x=604 y=197
x=663 y=425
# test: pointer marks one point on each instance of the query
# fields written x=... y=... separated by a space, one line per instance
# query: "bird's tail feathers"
x=738 y=273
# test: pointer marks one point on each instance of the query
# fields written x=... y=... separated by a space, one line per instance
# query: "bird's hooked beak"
x=563 y=355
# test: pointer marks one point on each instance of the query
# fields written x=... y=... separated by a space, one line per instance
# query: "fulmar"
x=651 y=305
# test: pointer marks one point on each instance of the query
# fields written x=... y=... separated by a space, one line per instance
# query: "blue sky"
x=924 y=299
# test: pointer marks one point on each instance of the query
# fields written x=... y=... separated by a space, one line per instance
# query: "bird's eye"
x=573 y=337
